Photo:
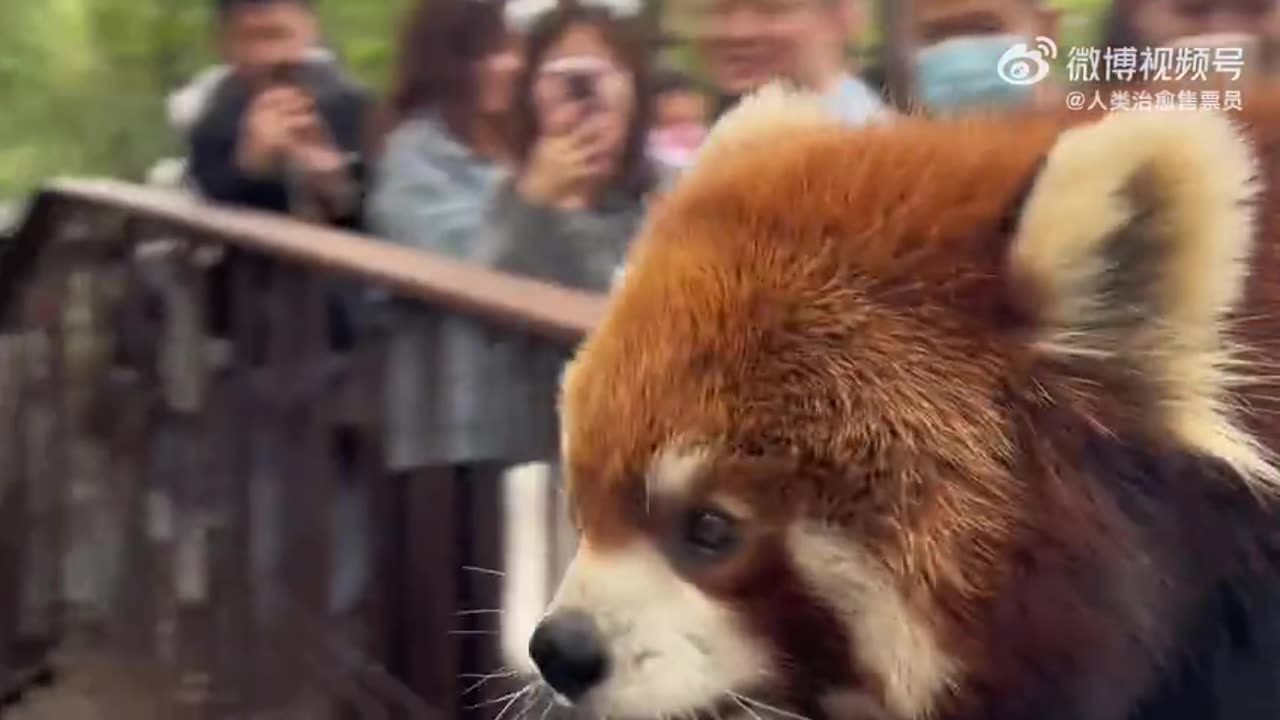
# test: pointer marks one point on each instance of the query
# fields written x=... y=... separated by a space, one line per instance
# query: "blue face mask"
x=963 y=74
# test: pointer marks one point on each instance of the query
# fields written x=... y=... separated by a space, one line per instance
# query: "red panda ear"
x=1134 y=243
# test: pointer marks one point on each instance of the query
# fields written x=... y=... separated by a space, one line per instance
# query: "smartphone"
x=580 y=86
x=583 y=88
x=577 y=80
x=285 y=74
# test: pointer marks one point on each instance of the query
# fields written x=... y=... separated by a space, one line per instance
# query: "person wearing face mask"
x=960 y=47
x=1252 y=26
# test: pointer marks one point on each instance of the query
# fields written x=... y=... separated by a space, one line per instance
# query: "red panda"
x=964 y=419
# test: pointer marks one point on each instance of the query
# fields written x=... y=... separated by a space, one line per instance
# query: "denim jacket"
x=459 y=390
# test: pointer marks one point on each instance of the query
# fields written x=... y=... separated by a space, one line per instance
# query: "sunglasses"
x=590 y=81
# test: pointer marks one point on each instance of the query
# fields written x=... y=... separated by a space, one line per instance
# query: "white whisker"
x=513 y=700
x=480 y=612
x=766 y=706
x=500 y=672
x=486 y=571
x=745 y=707
x=528 y=705
x=495 y=701
x=484 y=679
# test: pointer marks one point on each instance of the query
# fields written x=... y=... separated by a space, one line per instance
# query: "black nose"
x=568 y=652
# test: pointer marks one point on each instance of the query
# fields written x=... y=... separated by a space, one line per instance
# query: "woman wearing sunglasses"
x=516 y=142
x=580 y=143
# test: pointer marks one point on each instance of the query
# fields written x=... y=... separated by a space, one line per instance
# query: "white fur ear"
x=1135 y=243
x=772 y=109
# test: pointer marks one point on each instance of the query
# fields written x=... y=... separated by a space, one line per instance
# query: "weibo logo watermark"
x=1025 y=64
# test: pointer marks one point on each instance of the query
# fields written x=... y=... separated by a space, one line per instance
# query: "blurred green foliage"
x=84 y=81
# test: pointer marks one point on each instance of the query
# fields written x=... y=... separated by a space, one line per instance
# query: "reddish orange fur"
x=838 y=304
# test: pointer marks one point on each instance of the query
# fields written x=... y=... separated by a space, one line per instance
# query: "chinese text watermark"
x=1113 y=100
x=1161 y=64
x=1031 y=63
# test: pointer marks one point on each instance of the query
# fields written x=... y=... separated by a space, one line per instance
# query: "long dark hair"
x=631 y=40
x=439 y=48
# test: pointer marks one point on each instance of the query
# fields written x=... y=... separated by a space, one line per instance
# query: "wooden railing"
x=155 y=349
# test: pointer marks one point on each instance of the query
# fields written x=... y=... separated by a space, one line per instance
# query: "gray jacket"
x=460 y=391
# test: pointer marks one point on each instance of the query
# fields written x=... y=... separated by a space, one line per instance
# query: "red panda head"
x=848 y=433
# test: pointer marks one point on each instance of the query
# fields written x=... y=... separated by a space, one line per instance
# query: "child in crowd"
x=681 y=113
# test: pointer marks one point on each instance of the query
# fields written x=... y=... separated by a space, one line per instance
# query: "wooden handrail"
x=109 y=356
x=546 y=310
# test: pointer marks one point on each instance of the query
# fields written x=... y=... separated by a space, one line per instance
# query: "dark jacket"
x=344 y=105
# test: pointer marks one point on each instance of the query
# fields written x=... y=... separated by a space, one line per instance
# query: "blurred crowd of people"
x=528 y=136
x=515 y=119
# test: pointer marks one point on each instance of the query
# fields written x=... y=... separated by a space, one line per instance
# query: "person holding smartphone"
x=581 y=146
x=514 y=140
x=583 y=103
x=283 y=128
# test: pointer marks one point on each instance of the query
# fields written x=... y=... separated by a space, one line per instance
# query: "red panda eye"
x=711 y=533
